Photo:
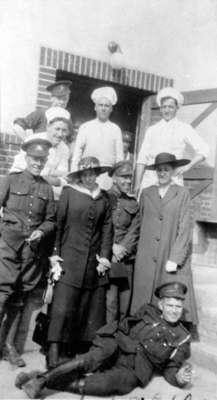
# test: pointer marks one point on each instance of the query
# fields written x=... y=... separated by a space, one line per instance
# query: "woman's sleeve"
x=180 y=248
x=107 y=233
x=62 y=210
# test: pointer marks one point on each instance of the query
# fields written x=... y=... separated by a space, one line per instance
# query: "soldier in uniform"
x=125 y=355
x=37 y=120
x=29 y=215
x=126 y=222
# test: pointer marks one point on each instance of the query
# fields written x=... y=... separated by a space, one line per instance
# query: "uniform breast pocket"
x=129 y=213
x=18 y=199
x=40 y=202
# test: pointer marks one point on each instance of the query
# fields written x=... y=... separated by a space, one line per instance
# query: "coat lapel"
x=170 y=194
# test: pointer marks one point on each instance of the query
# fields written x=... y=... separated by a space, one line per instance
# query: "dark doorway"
x=81 y=107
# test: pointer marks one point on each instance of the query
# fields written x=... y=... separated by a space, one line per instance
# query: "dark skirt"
x=76 y=314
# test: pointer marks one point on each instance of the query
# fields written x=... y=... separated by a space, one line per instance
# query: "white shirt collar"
x=81 y=189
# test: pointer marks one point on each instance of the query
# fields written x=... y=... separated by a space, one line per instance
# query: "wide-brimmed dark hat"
x=122 y=168
x=88 y=163
x=168 y=158
x=171 y=289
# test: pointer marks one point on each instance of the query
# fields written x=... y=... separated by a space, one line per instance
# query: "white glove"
x=170 y=266
x=56 y=268
x=103 y=265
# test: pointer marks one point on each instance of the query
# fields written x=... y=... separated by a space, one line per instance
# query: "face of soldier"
x=171 y=308
x=103 y=109
x=57 y=131
x=123 y=183
x=168 y=108
x=88 y=179
x=164 y=174
x=60 y=101
x=35 y=164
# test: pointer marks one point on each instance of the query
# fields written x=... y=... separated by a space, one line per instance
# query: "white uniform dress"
x=170 y=137
x=56 y=165
x=102 y=140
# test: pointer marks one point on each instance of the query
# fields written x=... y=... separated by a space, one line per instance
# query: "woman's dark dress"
x=84 y=229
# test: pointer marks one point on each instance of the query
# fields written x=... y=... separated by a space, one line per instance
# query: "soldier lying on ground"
x=125 y=356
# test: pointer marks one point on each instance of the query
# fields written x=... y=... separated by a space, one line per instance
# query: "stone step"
x=205 y=274
x=207 y=327
x=206 y=295
x=204 y=355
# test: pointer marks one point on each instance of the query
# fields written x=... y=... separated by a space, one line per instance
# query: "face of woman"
x=57 y=131
x=164 y=174
x=88 y=179
x=168 y=108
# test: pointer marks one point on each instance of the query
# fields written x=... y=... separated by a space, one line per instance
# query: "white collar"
x=81 y=189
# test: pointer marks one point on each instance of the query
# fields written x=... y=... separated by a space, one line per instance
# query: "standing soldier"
x=29 y=216
x=125 y=217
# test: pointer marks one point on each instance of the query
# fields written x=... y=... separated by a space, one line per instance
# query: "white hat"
x=57 y=112
x=170 y=92
x=106 y=92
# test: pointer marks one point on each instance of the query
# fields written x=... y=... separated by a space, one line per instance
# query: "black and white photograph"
x=108 y=199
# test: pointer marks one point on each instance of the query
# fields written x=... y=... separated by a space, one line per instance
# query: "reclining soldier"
x=125 y=355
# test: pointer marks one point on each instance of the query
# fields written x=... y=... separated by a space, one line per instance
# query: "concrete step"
x=204 y=355
x=204 y=275
x=207 y=327
x=206 y=294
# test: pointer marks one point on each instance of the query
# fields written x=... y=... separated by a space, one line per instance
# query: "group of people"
x=123 y=302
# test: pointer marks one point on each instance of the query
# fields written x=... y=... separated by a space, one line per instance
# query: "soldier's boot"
x=57 y=378
x=24 y=377
x=9 y=351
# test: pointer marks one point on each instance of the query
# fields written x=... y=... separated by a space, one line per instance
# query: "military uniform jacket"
x=28 y=205
x=151 y=339
x=36 y=121
x=125 y=219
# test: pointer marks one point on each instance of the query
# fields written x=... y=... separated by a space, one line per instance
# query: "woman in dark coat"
x=83 y=242
x=164 y=248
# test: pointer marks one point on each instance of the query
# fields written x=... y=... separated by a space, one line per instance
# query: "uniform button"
x=151 y=340
x=30 y=212
x=164 y=344
x=146 y=346
x=30 y=204
x=161 y=217
x=158 y=334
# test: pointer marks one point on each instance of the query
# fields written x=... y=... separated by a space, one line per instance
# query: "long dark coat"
x=165 y=235
x=84 y=230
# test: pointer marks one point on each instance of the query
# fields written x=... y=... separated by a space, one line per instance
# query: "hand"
x=184 y=374
x=119 y=251
x=35 y=236
x=170 y=266
x=103 y=265
x=55 y=260
x=56 y=268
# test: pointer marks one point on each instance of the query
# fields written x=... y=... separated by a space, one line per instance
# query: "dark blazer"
x=36 y=121
x=84 y=230
x=28 y=203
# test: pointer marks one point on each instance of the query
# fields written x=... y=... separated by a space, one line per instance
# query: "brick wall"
x=9 y=147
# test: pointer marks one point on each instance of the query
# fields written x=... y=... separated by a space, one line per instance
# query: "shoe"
x=10 y=354
x=24 y=377
x=34 y=386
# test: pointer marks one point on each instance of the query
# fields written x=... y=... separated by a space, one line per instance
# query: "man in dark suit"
x=125 y=355
x=29 y=215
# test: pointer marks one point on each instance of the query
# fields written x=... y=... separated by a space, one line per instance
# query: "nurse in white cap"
x=171 y=136
x=100 y=137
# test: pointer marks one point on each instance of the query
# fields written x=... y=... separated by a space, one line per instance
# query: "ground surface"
x=204 y=385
